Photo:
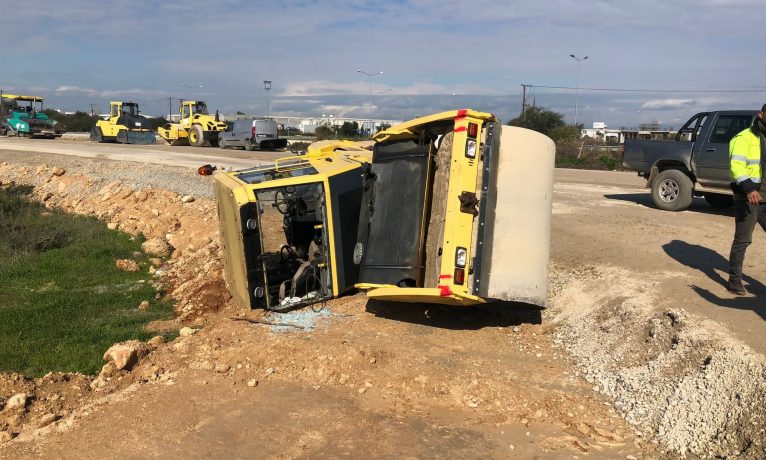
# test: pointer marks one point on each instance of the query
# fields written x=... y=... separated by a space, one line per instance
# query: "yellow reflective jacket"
x=745 y=160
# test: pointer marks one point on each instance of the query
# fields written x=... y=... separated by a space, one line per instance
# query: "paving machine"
x=125 y=125
x=196 y=127
x=24 y=116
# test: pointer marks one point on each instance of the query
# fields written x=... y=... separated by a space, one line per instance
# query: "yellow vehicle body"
x=196 y=127
x=476 y=228
x=125 y=125
x=288 y=230
x=453 y=208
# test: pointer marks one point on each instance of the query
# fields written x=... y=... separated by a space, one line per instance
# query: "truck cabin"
x=289 y=229
x=727 y=125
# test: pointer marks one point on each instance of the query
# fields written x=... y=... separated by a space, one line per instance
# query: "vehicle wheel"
x=719 y=201
x=122 y=136
x=196 y=139
x=222 y=143
x=672 y=190
x=248 y=145
x=96 y=135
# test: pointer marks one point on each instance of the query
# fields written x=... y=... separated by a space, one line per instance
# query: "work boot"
x=735 y=286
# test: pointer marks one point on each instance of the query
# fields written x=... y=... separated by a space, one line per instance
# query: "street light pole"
x=577 y=97
x=369 y=76
x=267 y=87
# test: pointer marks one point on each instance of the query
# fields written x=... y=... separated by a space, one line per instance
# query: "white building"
x=601 y=132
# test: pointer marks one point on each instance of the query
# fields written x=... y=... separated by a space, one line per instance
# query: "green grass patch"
x=63 y=302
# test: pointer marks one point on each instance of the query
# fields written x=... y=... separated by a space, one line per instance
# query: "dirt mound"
x=672 y=375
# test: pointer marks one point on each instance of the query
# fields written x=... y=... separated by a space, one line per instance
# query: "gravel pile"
x=677 y=378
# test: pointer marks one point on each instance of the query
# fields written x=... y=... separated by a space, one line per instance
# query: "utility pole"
x=369 y=78
x=577 y=97
x=523 y=98
x=267 y=87
x=170 y=109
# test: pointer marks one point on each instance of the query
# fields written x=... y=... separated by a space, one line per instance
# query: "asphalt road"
x=161 y=154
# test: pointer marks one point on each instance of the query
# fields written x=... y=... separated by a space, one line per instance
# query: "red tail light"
x=253 y=131
x=473 y=129
x=459 y=275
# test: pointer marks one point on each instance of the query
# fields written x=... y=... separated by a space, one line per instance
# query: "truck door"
x=711 y=153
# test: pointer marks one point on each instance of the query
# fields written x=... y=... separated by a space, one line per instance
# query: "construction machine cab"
x=128 y=109
x=289 y=229
x=24 y=116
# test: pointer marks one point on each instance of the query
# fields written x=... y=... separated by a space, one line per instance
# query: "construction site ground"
x=641 y=353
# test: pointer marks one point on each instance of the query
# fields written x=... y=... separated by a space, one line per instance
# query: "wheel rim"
x=669 y=190
x=193 y=137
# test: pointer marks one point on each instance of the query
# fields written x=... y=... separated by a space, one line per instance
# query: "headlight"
x=460 y=257
x=470 y=148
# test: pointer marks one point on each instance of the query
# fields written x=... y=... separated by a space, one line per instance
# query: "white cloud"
x=90 y=92
x=668 y=104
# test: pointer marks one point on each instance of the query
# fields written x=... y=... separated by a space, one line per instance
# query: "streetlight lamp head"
x=572 y=55
x=586 y=57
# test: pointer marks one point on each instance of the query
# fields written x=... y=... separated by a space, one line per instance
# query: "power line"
x=624 y=90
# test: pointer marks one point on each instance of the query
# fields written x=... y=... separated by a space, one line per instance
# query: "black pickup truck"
x=695 y=164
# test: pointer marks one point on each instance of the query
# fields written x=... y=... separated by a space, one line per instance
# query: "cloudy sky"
x=434 y=55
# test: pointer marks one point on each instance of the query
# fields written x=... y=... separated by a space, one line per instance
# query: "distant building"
x=308 y=125
x=651 y=130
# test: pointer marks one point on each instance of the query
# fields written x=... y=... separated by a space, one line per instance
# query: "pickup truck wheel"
x=672 y=190
x=719 y=201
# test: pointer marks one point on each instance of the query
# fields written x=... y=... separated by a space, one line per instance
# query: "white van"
x=261 y=133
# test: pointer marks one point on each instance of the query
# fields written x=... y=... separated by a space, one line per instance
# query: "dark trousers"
x=746 y=216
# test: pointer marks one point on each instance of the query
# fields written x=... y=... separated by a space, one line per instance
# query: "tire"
x=122 y=136
x=672 y=190
x=196 y=138
x=719 y=201
x=96 y=135
x=248 y=145
x=221 y=143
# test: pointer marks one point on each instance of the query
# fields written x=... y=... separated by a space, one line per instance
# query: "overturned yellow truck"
x=452 y=208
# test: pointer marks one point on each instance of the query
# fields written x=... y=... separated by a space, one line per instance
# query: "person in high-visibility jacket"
x=746 y=150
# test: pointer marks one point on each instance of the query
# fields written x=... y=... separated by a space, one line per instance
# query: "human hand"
x=754 y=197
